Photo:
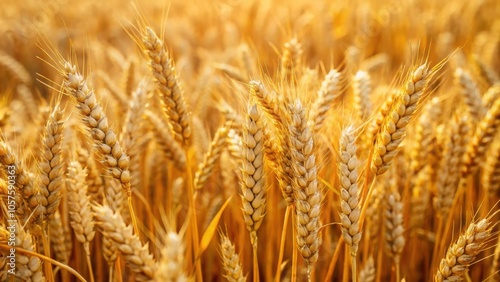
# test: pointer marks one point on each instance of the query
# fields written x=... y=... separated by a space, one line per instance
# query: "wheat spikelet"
x=396 y=122
x=168 y=86
x=210 y=158
x=349 y=192
x=79 y=205
x=135 y=253
x=394 y=229
x=448 y=175
x=463 y=252
x=112 y=154
x=252 y=171
x=362 y=88
x=51 y=166
x=367 y=273
x=231 y=261
x=470 y=93
x=481 y=139
x=328 y=92
x=171 y=265
x=170 y=148
x=306 y=194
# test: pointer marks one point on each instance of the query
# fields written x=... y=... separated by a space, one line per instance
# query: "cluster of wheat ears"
x=250 y=140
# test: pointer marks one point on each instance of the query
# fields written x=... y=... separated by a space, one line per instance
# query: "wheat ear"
x=481 y=140
x=51 y=165
x=306 y=193
x=394 y=229
x=495 y=266
x=28 y=267
x=170 y=148
x=449 y=171
x=470 y=93
x=349 y=192
x=394 y=127
x=463 y=252
x=26 y=193
x=328 y=92
x=291 y=58
x=113 y=156
x=362 y=88
x=367 y=274
x=231 y=261
x=135 y=253
x=94 y=180
x=252 y=171
x=210 y=158
x=15 y=68
x=491 y=170
x=171 y=265
x=58 y=239
x=168 y=85
x=82 y=219
x=491 y=95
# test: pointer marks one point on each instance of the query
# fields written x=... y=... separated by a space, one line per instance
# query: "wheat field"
x=231 y=140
